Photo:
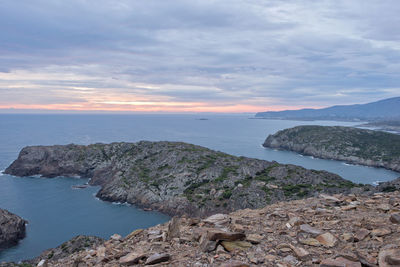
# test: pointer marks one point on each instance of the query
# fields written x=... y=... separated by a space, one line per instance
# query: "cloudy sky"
x=190 y=56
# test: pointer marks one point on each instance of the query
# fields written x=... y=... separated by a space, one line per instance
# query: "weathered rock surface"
x=278 y=242
x=353 y=145
x=178 y=178
x=78 y=243
x=12 y=229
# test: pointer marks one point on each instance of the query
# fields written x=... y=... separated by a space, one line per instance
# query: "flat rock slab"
x=157 y=258
x=339 y=262
x=132 y=258
x=236 y=245
x=225 y=236
x=217 y=219
x=234 y=264
x=327 y=239
x=310 y=230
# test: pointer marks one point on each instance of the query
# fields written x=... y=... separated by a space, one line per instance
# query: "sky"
x=197 y=55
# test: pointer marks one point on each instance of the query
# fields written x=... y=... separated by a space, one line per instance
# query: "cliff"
x=12 y=229
x=178 y=178
x=353 y=145
x=326 y=231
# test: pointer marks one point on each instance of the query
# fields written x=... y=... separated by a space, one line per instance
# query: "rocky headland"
x=178 y=178
x=352 y=145
x=327 y=231
x=12 y=229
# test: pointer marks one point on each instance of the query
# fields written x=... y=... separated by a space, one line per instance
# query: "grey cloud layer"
x=272 y=52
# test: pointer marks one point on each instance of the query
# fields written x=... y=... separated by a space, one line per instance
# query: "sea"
x=56 y=212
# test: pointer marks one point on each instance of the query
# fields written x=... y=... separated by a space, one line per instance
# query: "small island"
x=353 y=145
x=178 y=178
x=12 y=229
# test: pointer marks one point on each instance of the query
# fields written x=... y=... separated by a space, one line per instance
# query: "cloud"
x=250 y=53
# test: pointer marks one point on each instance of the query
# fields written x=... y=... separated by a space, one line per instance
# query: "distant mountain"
x=386 y=109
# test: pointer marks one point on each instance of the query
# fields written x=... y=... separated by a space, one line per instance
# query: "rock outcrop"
x=178 y=178
x=12 y=229
x=76 y=244
x=353 y=145
x=336 y=230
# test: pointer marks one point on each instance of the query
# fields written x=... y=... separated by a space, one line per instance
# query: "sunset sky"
x=197 y=56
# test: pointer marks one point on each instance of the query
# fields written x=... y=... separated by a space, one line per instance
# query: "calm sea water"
x=56 y=212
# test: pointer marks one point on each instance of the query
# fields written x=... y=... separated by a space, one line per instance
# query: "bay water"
x=56 y=212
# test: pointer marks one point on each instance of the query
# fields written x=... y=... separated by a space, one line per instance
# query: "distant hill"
x=386 y=109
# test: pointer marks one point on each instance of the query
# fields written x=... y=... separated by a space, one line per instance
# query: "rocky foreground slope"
x=328 y=231
x=12 y=229
x=358 y=146
x=178 y=178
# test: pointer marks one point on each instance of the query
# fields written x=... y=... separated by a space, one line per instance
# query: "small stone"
x=42 y=263
x=227 y=236
x=393 y=201
x=157 y=258
x=348 y=237
x=395 y=218
x=361 y=234
x=309 y=229
x=101 y=252
x=285 y=249
x=310 y=242
x=290 y=259
x=383 y=207
x=300 y=253
x=236 y=245
x=254 y=238
x=154 y=232
x=237 y=227
x=380 y=232
x=327 y=239
x=339 y=262
x=348 y=207
x=206 y=245
x=294 y=221
x=270 y=258
x=220 y=249
x=156 y=238
x=116 y=237
x=217 y=219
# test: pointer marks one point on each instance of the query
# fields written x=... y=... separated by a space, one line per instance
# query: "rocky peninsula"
x=325 y=231
x=178 y=178
x=12 y=229
x=352 y=145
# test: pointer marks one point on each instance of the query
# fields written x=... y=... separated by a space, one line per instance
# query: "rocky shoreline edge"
x=351 y=145
x=12 y=229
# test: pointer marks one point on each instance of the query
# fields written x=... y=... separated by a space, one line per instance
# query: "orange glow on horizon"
x=138 y=106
